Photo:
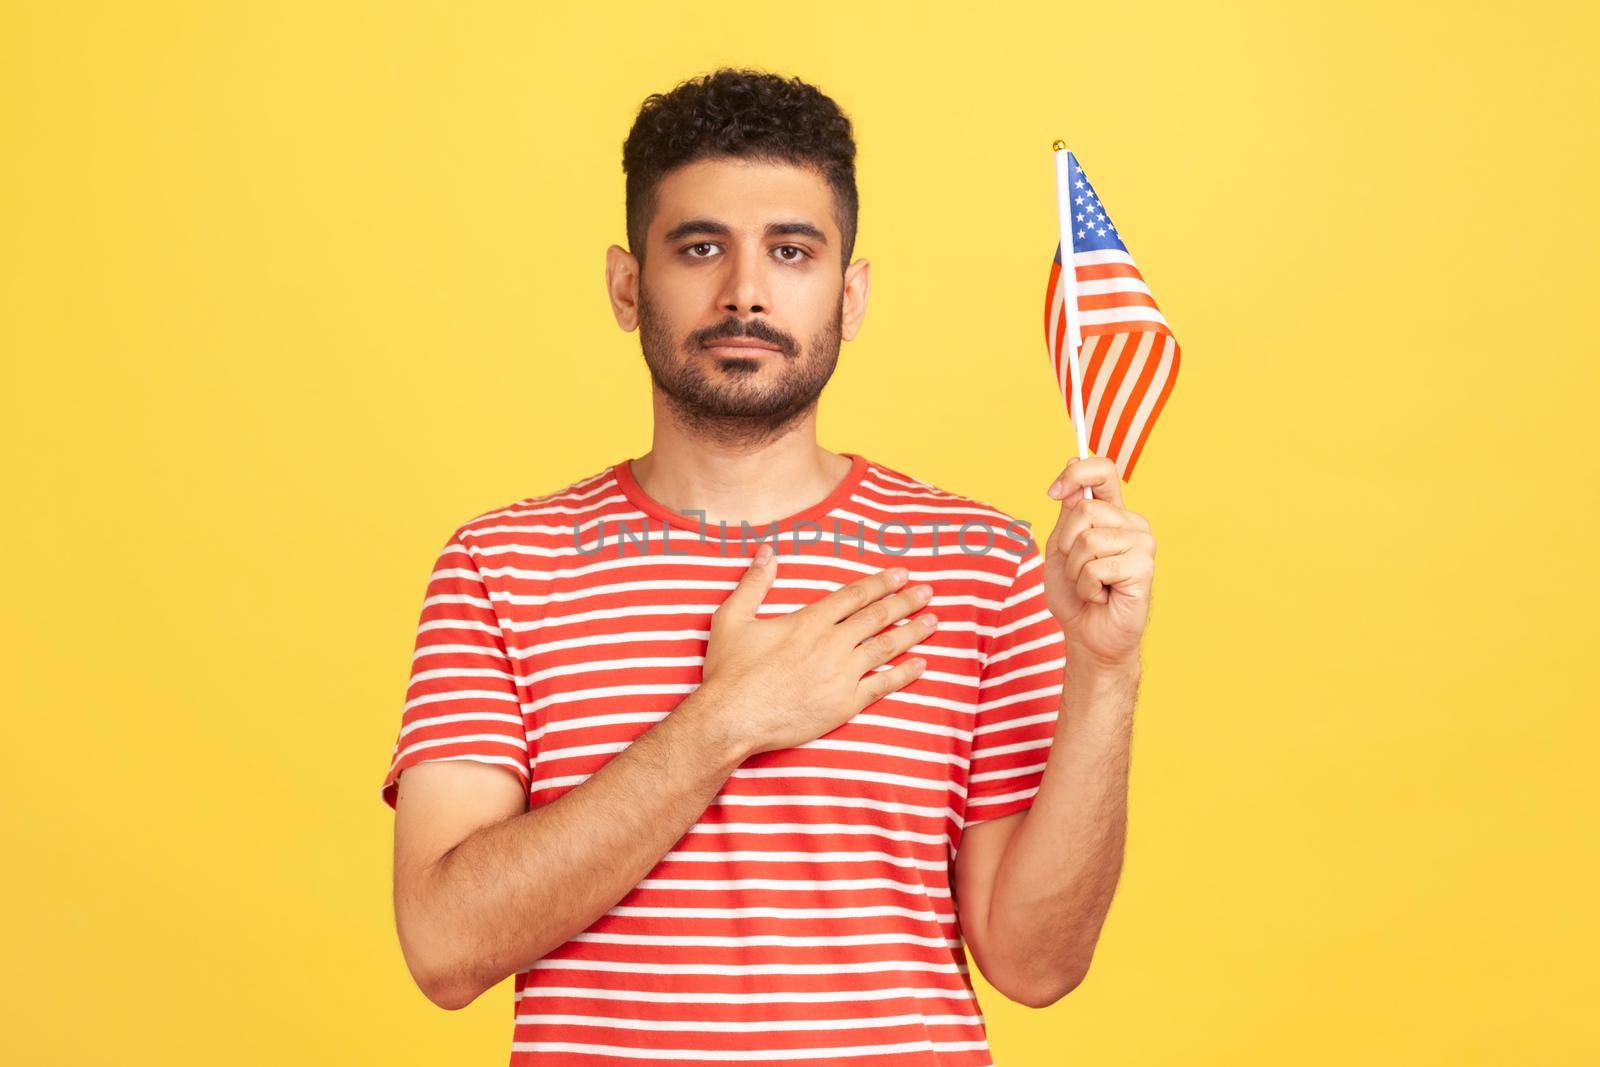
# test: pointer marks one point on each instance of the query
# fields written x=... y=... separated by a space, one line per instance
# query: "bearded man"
x=735 y=750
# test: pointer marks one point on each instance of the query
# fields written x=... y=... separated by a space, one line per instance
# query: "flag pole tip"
x=1058 y=146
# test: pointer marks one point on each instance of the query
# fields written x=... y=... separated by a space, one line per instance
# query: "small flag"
x=1129 y=359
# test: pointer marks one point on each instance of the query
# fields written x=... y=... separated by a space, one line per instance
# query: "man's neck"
x=755 y=484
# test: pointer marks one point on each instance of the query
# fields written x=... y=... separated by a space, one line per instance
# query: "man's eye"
x=792 y=248
x=701 y=244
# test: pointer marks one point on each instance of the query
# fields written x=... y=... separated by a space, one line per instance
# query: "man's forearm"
x=510 y=893
x=1054 y=883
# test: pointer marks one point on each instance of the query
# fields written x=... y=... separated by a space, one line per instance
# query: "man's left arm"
x=1034 y=887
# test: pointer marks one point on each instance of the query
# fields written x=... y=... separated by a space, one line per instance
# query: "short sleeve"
x=461 y=703
x=1019 y=698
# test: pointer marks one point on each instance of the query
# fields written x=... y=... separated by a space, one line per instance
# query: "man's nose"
x=744 y=287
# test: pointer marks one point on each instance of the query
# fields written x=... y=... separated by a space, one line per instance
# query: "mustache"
x=755 y=328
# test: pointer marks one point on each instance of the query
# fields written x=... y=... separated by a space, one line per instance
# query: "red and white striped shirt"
x=807 y=916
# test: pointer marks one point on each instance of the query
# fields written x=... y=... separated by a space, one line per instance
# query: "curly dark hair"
x=739 y=112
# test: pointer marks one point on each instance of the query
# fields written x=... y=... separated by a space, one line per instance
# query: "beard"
x=722 y=399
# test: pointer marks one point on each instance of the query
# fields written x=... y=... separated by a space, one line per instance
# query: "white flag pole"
x=1069 y=295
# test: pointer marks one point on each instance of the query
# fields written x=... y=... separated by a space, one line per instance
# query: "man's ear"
x=622 y=285
x=857 y=280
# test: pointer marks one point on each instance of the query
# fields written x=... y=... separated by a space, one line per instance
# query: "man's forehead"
x=744 y=195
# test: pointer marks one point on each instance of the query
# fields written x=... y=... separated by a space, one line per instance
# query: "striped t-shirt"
x=808 y=915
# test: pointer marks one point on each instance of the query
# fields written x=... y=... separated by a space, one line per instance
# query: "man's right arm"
x=484 y=888
x=504 y=894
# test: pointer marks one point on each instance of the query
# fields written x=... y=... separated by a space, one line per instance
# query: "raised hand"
x=1099 y=565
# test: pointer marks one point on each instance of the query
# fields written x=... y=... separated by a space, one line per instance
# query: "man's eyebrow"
x=796 y=229
x=692 y=227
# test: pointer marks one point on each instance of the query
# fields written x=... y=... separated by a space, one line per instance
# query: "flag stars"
x=1087 y=220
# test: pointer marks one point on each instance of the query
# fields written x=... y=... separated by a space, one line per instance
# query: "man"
x=734 y=750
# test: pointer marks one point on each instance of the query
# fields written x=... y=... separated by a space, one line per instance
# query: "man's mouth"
x=741 y=346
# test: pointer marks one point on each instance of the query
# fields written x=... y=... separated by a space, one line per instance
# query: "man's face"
x=741 y=302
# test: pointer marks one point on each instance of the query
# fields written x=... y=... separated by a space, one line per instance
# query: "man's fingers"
x=752 y=588
x=848 y=599
x=880 y=613
x=880 y=684
x=1097 y=541
x=1125 y=569
x=880 y=649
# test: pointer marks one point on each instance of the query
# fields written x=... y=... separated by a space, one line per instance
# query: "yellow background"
x=292 y=290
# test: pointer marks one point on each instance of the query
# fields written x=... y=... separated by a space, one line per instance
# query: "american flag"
x=1129 y=358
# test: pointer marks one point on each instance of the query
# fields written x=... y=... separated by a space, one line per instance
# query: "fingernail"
x=932 y=621
x=918 y=663
x=922 y=592
x=897 y=575
x=763 y=555
x=1054 y=491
